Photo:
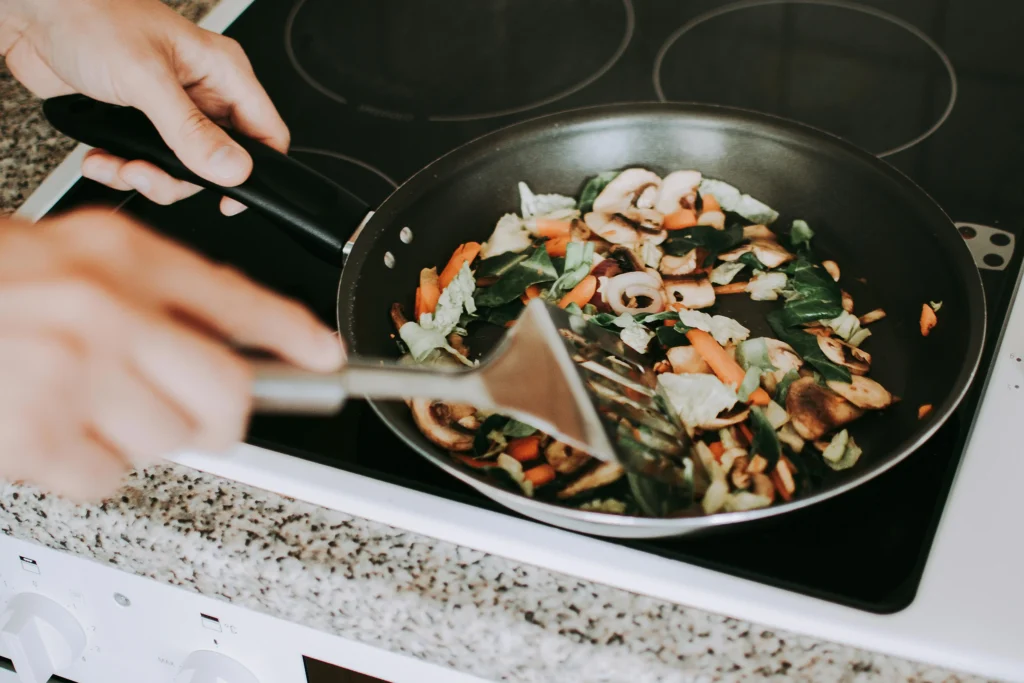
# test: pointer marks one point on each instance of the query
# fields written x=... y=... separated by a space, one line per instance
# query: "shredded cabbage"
x=609 y=505
x=847 y=326
x=766 y=286
x=510 y=234
x=545 y=205
x=697 y=398
x=633 y=334
x=733 y=200
x=753 y=353
x=650 y=254
x=800 y=234
x=425 y=344
x=456 y=298
x=723 y=329
x=842 y=452
x=515 y=470
x=725 y=273
x=751 y=381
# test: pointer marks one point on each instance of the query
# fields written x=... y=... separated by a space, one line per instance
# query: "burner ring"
x=839 y=4
x=627 y=37
x=344 y=157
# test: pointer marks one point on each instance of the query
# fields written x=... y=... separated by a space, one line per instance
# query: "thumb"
x=201 y=144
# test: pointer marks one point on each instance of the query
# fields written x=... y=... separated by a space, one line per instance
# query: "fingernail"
x=230 y=207
x=228 y=163
x=137 y=180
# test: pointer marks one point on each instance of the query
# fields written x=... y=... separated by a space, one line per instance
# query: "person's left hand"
x=142 y=54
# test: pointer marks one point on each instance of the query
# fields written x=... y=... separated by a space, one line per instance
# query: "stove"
x=373 y=90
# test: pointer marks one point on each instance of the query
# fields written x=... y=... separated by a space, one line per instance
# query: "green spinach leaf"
x=714 y=242
x=579 y=258
x=806 y=346
x=752 y=262
x=516 y=429
x=532 y=271
x=593 y=188
x=811 y=294
x=482 y=443
x=496 y=266
x=782 y=389
x=800 y=235
x=497 y=315
x=670 y=337
x=766 y=441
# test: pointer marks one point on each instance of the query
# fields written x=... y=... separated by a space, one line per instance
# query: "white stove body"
x=967 y=614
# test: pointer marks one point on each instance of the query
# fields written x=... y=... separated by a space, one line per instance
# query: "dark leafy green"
x=658 y=499
x=806 y=346
x=670 y=337
x=766 y=442
x=516 y=429
x=496 y=315
x=496 y=266
x=811 y=294
x=482 y=445
x=800 y=235
x=534 y=270
x=593 y=188
x=713 y=241
x=648 y=318
x=782 y=389
x=574 y=267
x=752 y=262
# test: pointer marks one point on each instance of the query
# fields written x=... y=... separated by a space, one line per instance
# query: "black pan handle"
x=317 y=212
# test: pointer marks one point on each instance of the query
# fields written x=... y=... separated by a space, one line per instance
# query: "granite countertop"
x=383 y=586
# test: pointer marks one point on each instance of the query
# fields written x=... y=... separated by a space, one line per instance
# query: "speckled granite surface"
x=385 y=587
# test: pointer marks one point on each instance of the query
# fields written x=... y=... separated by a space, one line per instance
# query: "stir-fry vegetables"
x=652 y=258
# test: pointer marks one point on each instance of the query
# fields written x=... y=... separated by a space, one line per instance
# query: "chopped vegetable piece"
x=782 y=478
x=552 y=229
x=515 y=470
x=536 y=269
x=593 y=188
x=842 y=452
x=557 y=246
x=731 y=199
x=782 y=389
x=418 y=307
x=753 y=353
x=531 y=293
x=609 y=506
x=747 y=434
x=800 y=234
x=540 y=475
x=776 y=415
x=725 y=330
x=872 y=316
x=431 y=290
x=923 y=411
x=936 y=305
x=683 y=218
x=517 y=429
x=466 y=253
x=751 y=381
x=712 y=240
x=698 y=399
x=811 y=295
x=547 y=205
x=456 y=299
x=579 y=259
x=732 y=287
x=724 y=273
x=766 y=442
x=766 y=286
x=717 y=449
x=928 y=320
x=806 y=345
x=723 y=365
x=581 y=293
x=709 y=203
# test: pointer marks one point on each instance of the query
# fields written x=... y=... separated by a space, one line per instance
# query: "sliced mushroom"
x=833 y=269
x=739 y=475
x=771 y=253
x=626 y=258
x=863 y=392
x=758 y=232
x=680 y=265
x=565 y=459
x=734 y=255
x=437 y=420
x=611 y=228
x=763 y=486
x=675 y=189
x=623 y=193
x=815 y=410
x=692 y=293
x=737 y=415
x=782 y=355
x=602 y=475
x=716 y=219
x=872 y=316
x=847 y=301
x=398 y=317
x=579 y=232
x=686 y=361
x=836 y=350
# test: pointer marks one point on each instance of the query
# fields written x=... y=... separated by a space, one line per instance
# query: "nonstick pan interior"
x=896 y=248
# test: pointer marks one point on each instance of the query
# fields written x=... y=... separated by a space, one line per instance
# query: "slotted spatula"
x=553 y=371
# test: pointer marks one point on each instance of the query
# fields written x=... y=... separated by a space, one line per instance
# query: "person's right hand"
x=114 y=350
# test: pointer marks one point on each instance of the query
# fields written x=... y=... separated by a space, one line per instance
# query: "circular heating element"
x=849 y=69
x=459 y=60
x=367 y=182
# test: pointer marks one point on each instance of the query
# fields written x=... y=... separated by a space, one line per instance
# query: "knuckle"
x=196 y=124
x=90 y=305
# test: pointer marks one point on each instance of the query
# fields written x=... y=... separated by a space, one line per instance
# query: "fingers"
x=168 y=276
x=89 y=471
x=202 y=145
x=141 y=176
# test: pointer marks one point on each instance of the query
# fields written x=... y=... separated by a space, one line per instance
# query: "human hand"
x=114 y=350
x=142 y=54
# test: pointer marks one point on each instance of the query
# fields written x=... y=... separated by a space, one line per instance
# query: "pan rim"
x=957 y=251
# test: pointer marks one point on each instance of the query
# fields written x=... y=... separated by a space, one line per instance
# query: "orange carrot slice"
x=473 y=462
x=430 y=288
x=747 y=434
x=709 y=203
x=717 y=448
x=557 y=246
x=923 y=411
x=683 y=218
x=731 y=288
x=531 y=293
x=418 y=308
x=524 y=449
x=928 y=319
x=581 y=293
x=723 y=365
x=466 y=253
x=552 y=229
x=540 y=475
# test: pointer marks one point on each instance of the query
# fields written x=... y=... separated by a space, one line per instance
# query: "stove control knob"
x=206 y=666
x=41 y=637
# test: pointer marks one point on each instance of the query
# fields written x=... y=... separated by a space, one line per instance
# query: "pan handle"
x=317 y=212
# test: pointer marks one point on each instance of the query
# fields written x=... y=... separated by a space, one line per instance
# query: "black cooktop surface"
x=373 y=90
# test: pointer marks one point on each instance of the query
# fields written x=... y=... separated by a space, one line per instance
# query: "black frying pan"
x=896 y=247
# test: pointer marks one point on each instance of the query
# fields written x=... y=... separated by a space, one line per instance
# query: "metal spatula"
x=553 y=371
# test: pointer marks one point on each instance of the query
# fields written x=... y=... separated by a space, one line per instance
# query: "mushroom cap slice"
x=815 y=410
x=612 y=228
x=686 y=361
x=863 y=392
x=716 y=219
x=565 y=459
x=691 y=293
x=858 y=362
x=602 y=475
x=771 y=253
x=437 y=420
x=758 y=232
x=625 y=189
x=737 y=415
x=675 y=188
x=782 y=355
x=680 y=265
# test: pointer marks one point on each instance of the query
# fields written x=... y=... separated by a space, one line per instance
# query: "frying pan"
x=895 y=246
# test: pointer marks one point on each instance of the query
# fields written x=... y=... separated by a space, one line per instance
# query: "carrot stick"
x=557 y=246
x=747 y=434
x=531 y=293
x=540 y=475
x=431 y=290
x=464 y=254
x=731 y=288
x=552 y=229
x=928 y=319
x=473 y=462
x=723 y=365
x=717 y=448
x=581 y=293
x=524 y=449
x=418 y=308
x=709 y=203
x=683 y=218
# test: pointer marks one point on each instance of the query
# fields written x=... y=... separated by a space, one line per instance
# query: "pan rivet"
x=389 y=259
x=406 y=235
